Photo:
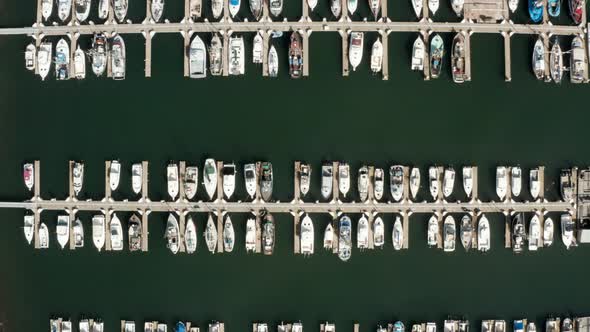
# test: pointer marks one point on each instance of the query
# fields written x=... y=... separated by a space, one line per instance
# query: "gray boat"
x=518 y=233
x=466 y=230
x=266 y=181
x=268 y=234
x=134 y=233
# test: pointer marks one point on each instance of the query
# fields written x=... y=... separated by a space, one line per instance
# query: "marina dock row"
x=384 y=26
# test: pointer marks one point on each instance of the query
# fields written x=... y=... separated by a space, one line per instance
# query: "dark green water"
x=359 y=118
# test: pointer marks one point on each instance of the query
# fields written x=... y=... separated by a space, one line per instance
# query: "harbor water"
x=359 y=119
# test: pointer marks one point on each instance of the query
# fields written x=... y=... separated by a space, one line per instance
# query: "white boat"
x=136 y=177
x=375 y=7
x=129 y=326
x=190 y=236
x=362 y=238
x=534 y=233
x=336 y=8
x=30 y=57
x=43 y=236
x=351 y=5
x=211 y=234
x=234 y=7
x=548 y=231
x=363 y=183
x=538 y=60
x=78 y=177
x=468 y=180
x=276 y=7
x=63 y=230
x=215 y=55
x=513 y=5
x=98 y=326
x=378 y=232
x=44 y=59
x=273 y=62
x=433 y=182
x=98 y=231
x=46 y=9
x=62 y=60
x=433 y=6
x=501 y=182
x=457 y=6
x=98 y=54
x=306 y=236
x=534 y=184
x=210 y=177
x=78 y=234
x=195 y=7
x=217 y=8
x=379 y=183
x=414 y=181
x=172 y=180
x=329 y=236
x=120 y=9
x=556 y=62
x=327 y=181
x=250 y=179
x=82 y=9
x=118 y=58
x=29 y=228
x=377 y=56
x=197 y=58
x=190 y=181
x=567 y=230
x=66 y=326
x=418 y=54
x=103 y=9
x=312 y=4
x=449 y=234
x=229 y=180
x=257 y=48
x=236 y=56
x=29 y=175
x=344 y=178
x=134 y=233
x=304 y=178
x=344 y=238
x=398 y=234
x=417 y=5
x=577 y=60
x=516 y=181
x=114 y=174
x=84 y=325
x=256 y=8
x=116 y=231
x=172 y=234
x=396 y=182
x=64 y=8
x=355 y=48
x=79 y=64
x=157 y=10
x=448 y=182
x=229 y=236
x=432 y=233
x=250 y=235
x=483 y=234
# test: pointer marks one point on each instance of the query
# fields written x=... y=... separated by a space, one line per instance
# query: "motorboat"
x=328 y=236
x=149 y=327
x=63 y=230
x=195 y=9
x=556 y=62
x=458 y=57
x=398 y=327
x=213 y=327
x=276 y=7
x=437 y=51
x=79 y=64
x=98 y=231
x=379 y=183
x=466 y=230
x=236 y=56
x=499 y=326
x=98 y=54
x=180 y=327
x=457 y=6
x=306 y=236
x=211 y=234
x=344 y=178
x=449 y=233
x=114 y=174
x=577 y=60
x=273 y=62
x=29 y=175
x=567 y=230
x=234 y=7
x=362 y=235
x=30 y=57
x=216 y=8
x=62 y=60
x=554 y=7
x=501 y=182
x=355 y=49
x=376 y=56
x=417 y=5
x=398 y=234
x=78 y=230
x=64 y=8
x=84 y=325
x=229 y=235
x=116 y=231
x=512 y=5
x=157 y=10
x=519 y=325
x=304 y=178
x=483 y=234
x=433 y=6
x=46 y=9
x=567 y=325
x=516 y=180
x=43 y=236
x=257 y=48
x=464 y=326
x=129 y=326
x=432 y=233
x=534 y=233
x=551 y=325
x=351 y=5
x=534 y=185
x=135 y=233
x=430 y=327
x=210 y=177
x=215 y=55
x=256 y=9
x=448 y=181
x=295 y=55
x=104 y=6
x=78 y=177
x=197 y=58
x=190 y=236
x=576 y=10
x=375 y=6
x=536 y=10
x=44 y=61
x=414 y=182
x=327 y=181
x=363 y=183
x=82 y=9
x=29 y=227
x=266 y=181
x=336 y=8
x=378 y=232
x=118 y=58
x=396 y=182
x=519 y=235
x=190 y=181
x=136 y=177
x=344 y=238
x=172 y=180
x=468 y=180
x=539 y=59
x=66 y=326
x=250 y=179
x=268 y=234
x=229 y=179
x=566 y=185
x=172 y=234
x=250 y=235
x=548 y=231
x=433 y=181
x=120 y=9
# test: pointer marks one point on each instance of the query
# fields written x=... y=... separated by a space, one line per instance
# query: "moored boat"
x=78 y=230
x=82 y=9
x=256 y=9
x=43 y=236
x=276 y=7
x=328 y=236
x=172 y=234
x=62 y=60
x=30 y=57
x=398 y=234
x=536 y=10
x=457 y=6
x=79 y=64
x=501 y=182
x=437 y=52
x=567 y=230
x=433 y=6
x=46 y=9
x=576 y=10
x=518 y=232
x=268 y=234
x=257 y=48
x=44 y=59
x=483 y=234
x=554 y=7
x=229 y=179
x=378 y=232
x=134 y=233
x=344 y=238
x=197 y=58
x=379 y=183
x=116 y=233
x=432 y=232
x=355 y=49
x=190 y=181
x=577 y=60
x=250 y=234
x=327 y=180
x=103 y=9
x=548 y=231
x=98 y=231
x=336 y=8
x=556 y=62
x=344 y=178
x=64 y=8
x=512 y=5
x=29 y=175
x=351 y=6
x=466 y=230
x=273 y=62
x=195 y=9
x=304 y=178
x=229 y=235
x=396 y=182
x=211 y=234
x=136 y=177
x=306 y=236
x=78 y=177
x=534 y=233
x=362 y=234
x=215 y=55
x=534 y=184
x=210 y=177
x=295 y=56
x=433 y=182
x=468 y=180
x=417 y=5
x=114 y=174
x=566 y=185
x=415 y=178
x=449 y=234
x=172 y=180
x=375 y=6
x=250 y=179
x=118 y=58
x=539 y=59
x=448 y=181
x=458 y=58
x=98 y=54
x=157 y=10
x=216 y=8
x=190 y=236
x=236 y=56
x=363 y=183
x=120 y=9
x=516 y=181
x=29 y=227
x=377 y=56
x=63 y=230
x=266 y=181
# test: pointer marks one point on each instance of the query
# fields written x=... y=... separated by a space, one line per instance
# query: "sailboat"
x=98 y=231
x=376 y=56
x=437 y=52
x=215 y=55
x=190 y=236
x=210 y=177
x=172 y=234
x=355 y=49
x=273 y=62
x=157 y=10
x=398 y=234
x=190 y=181
x=229 y=237
x=539 y=59
x=211 y=234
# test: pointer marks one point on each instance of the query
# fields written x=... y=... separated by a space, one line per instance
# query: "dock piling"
x=345 y=66
x=406 y=228
x=258 y=232
x=107 y=233
x=296 y=233
x=107 y=180
x=467 y=56
x=335 y=180
x=265 y=48
x=475 y=188
x=225 y=51
x=296 y=178
x=144 y=230
x=507 y=58
x=144 y=181
x=148 y=53
x=426 y=37
x=385 y=42
x=72 y=194
x=220 y=231
x=507 y=231
x=305 y=42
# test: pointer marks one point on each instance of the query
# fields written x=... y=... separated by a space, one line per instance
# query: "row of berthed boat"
x=555 y=60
